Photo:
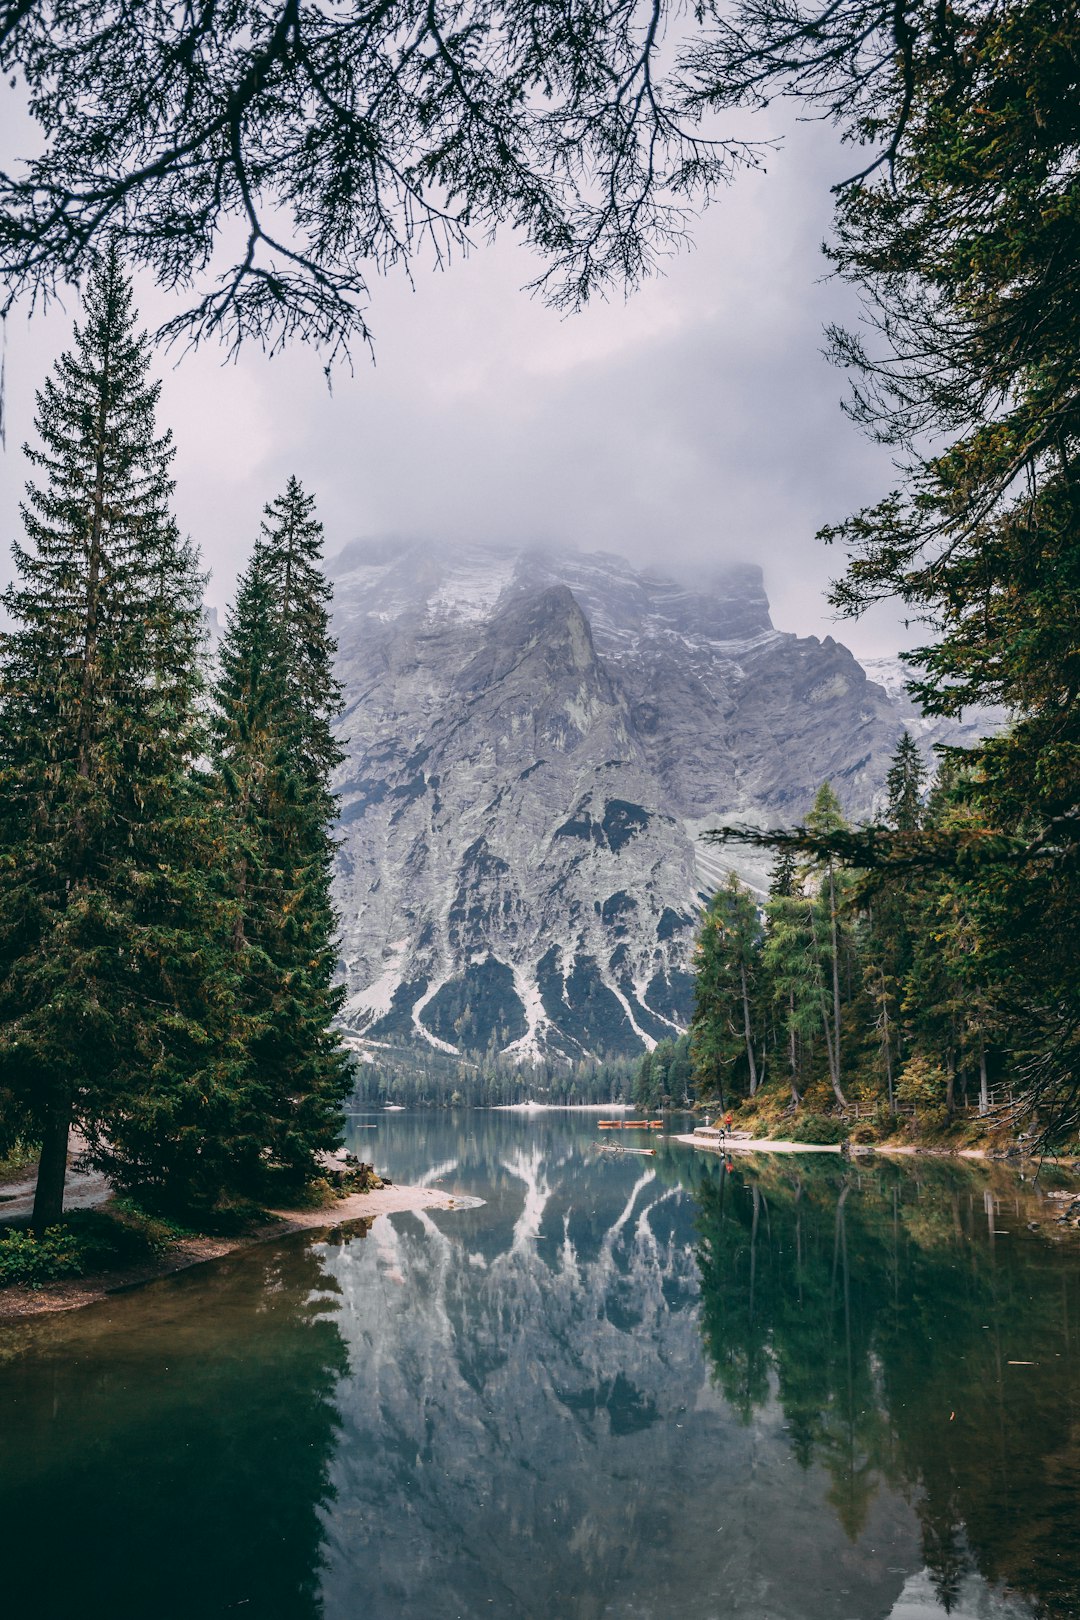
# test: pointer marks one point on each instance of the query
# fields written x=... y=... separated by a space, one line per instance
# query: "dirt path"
x=83 y=1189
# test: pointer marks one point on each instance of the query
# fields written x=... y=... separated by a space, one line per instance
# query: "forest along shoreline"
x=87 y=1191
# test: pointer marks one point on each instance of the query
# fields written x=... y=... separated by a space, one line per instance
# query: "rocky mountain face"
x=535 y=742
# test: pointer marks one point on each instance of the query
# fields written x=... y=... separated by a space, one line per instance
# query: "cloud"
x=695 y=422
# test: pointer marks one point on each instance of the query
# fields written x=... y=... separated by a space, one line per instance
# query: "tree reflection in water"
x=165 y=1456
x=621 y=1389
x=896 y=1312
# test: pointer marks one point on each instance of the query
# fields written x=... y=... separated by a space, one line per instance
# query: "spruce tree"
x=275 y=751
x=904 y=784
x=728 y=963
x=101 y=883
x=792 y=965
x=291 y=544
x=827 y=817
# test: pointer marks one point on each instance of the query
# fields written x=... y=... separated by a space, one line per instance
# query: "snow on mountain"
x=535 y=742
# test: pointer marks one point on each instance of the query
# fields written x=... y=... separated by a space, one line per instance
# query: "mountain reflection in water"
x=625 y=1387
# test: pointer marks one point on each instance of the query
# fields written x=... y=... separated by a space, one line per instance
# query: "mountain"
x=535 y=741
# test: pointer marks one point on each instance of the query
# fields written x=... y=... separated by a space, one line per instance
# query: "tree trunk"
x=749 y=1035
x=831 y=1047
x=87 y=717
x=950 y=1080
x=888 y=1045
x=836 y=984
x=238 y=938
x=984 y=1090
x=52 y=1170
x=793 y=1052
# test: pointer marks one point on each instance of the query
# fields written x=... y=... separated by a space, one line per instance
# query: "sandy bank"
x=17 y=1303
x=759 y=1144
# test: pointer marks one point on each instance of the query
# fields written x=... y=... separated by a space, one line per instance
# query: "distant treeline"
x=665 y=1077
x=414 y=1078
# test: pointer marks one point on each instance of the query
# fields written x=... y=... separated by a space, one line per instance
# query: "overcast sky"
x=697 y=420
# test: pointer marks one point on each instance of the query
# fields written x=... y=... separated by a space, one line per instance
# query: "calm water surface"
x=631 y=1388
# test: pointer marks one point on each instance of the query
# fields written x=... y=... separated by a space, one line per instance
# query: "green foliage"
x=269 y=1095
x=726 y=1031
x=921 y=1082
x=961 y=236
x=86 y=1241
x=28 y=1261
x=664 y=1076
x=413 y=1078
x=20 y=1156
x=873 y=978
x=167 y=954
x=904 y=786
x=105 y=900
x=822 y=1130
x=794 y=972
x=967 y=255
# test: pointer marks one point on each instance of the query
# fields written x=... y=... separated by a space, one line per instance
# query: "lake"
x=624 y=1386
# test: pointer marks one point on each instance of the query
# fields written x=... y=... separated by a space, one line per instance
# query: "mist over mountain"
x=535 y=741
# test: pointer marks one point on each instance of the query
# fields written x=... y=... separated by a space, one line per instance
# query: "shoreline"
x=766 y=1144
x=19 y=1304
x=760 y=1144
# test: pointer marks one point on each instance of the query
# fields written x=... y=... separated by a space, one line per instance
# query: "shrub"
x=89 y=1240
x=864 y=1131
x=921 y=1083
x=930 y=1119
x=19 y=1157
x=821 y=1130
x=356 y=1177
x=31 y=1261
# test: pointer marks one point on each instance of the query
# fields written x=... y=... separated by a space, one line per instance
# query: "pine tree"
x=290 y=544
x=647 y=1088
x=728 y=969
x=904 y=785
x=792 y=965
x=275 y=751
x=102 y=889
x=888 y=935
x=827 y=817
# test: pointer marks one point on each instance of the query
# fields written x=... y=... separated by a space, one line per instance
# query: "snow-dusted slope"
x=534 y=743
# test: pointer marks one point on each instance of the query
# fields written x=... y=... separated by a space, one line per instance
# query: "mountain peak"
x=536 y=739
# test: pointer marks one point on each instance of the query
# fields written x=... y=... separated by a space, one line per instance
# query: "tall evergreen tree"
x=826 y=818
x=101 y=886
x=728 y=971
x=291 y=544
x=793 y=966
x=887 y=938
x=275 y=751
x=904 y=785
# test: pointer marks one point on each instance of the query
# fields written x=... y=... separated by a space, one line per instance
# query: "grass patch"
x=22 y=1157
